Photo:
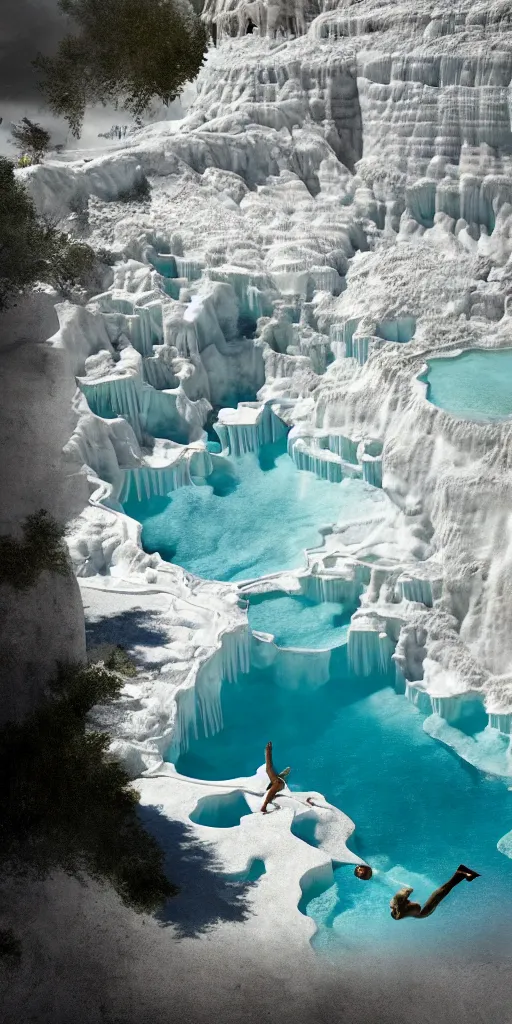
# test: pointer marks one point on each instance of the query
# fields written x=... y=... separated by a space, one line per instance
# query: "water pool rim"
x=452 y=355
x=258 y=633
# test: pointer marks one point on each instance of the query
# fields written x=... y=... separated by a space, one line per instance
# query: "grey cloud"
x=26 y=27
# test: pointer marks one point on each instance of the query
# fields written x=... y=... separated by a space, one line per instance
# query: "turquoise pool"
x=474 y=385
x=255 y=516
x=418 y=808
x=295 y=621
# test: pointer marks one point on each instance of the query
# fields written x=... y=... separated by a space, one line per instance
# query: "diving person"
x=402 y=906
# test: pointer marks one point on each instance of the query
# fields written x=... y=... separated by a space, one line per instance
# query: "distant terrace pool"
x=474 y=385
x=296 y=621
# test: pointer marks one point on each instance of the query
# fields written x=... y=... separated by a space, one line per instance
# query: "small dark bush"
x=65 y=803
x=139 y=192
x=31 y=139
x=43 y=548
x=32 y=249
x=115 y=659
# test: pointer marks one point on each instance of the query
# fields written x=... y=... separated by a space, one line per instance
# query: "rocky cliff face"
x=42 y=624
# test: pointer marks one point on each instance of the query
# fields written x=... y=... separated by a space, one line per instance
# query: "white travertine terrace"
x=335 y=207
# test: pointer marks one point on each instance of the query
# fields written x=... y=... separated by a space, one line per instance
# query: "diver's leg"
x=470 y=875
x=271 y=772
x=435 y=899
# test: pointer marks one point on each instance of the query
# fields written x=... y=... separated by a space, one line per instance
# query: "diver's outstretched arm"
x=271 y=772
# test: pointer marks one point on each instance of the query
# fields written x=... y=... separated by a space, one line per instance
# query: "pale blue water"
x=475 y=385
x=254 y=517
x=223 y=811
x=296 y=621
x=419 y=809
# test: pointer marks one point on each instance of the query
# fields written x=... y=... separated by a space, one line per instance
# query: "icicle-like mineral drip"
x=400 y=680
x=145 y=482
x=364 y=651
x=208 y=695
x=295 y=669
x=339 y=590
x=423 y=591
x=345 y=447
x=186 y=719
x=315 y=460
x=417 y=696
x=503 y=723
x=372 y=470
x=236 y=654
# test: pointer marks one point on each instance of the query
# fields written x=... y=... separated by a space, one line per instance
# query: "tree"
x=24 y=239
x=42 y=548
x=32 y=249
x=71 y=264
x=66 y=803
x=124 y=52
x=30 y=138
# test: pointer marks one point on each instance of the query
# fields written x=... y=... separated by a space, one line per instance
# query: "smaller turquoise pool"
x=475 y=385
x=419 y=810
x=296 y=621
x=255 y=515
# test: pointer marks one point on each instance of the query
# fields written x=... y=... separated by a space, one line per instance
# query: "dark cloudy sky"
x=26 y=27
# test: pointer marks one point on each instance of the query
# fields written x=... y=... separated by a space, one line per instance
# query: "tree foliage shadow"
x=130 y=629
x=208 y=895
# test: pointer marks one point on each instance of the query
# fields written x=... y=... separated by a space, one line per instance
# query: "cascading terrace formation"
x=334 y=211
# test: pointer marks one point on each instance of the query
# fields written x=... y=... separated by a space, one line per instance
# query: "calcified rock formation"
x=272 y=18
x=336 y=206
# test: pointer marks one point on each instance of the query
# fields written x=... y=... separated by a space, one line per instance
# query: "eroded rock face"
x=41 y=627
x=43 y=624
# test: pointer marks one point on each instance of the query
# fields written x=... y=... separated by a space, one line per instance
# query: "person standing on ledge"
x=402 y=906
x=276 y=783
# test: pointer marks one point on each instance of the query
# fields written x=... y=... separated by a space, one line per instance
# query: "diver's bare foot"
x=468 y=873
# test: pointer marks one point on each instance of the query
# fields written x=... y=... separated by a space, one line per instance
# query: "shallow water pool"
x=255 y=517
x=474 y=385
x=419 y=809
x=296 y=621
